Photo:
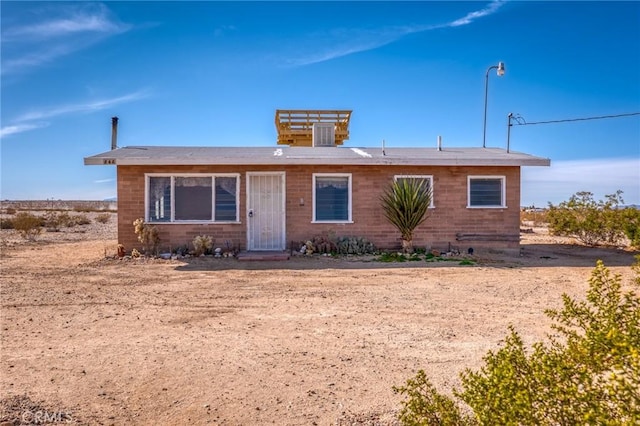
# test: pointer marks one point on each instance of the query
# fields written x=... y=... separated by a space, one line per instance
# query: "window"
x=192 y=198
x=159 y=199
x=332 y=197
x=428 y=182
x=486 y=191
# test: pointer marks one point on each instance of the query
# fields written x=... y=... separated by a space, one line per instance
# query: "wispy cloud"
x=83 y=107
x=19 y=128
x=541 y=185
x=33 y=119
x=470 y=17
x=340 y=43
x=66 y=29
x=104 y=180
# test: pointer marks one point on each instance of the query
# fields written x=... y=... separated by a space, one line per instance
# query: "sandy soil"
x=308 y=341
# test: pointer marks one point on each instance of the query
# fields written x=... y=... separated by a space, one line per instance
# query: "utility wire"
x=521 y=122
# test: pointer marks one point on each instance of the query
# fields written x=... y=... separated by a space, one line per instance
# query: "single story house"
x=269 y=198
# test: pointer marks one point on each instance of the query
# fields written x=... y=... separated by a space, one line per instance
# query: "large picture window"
x=428 y=180
x=331 y=197
x=486 y=191
x=192 y=198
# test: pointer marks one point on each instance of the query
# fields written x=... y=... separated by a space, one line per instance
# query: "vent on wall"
x=324 y=134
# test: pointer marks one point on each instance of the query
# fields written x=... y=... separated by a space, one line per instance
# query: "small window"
x=195 y=198
x=159 y=197
x=226 y=199
x=428 y=183
x=332 y=198
x=486 y=191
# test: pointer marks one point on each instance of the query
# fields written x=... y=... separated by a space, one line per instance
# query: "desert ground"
x=90 y=339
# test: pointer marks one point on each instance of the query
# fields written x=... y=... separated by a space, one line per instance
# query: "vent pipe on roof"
x=439 y=143
x=383 y=153
x=114 y=133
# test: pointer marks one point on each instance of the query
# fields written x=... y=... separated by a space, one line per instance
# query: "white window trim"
x=173 y=176
x=503 y=187
x=426 y=177
x=350 y=198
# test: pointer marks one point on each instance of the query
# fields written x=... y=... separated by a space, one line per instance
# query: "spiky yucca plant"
x=405 y=204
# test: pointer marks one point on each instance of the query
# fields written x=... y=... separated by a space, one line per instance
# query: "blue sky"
x=213 y=73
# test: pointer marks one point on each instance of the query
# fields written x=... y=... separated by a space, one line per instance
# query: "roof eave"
x=376 y=161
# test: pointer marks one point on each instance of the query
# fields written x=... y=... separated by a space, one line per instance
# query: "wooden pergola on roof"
x=312 y=127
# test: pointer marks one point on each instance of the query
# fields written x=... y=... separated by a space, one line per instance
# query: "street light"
x=500 y=71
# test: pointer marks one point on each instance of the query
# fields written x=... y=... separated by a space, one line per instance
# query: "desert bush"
x=587 y=373
x=28 y=225
x=355 y=245
x=319 y=244
x=103 y=218
x=536 y=216
x=591 y=222
x=82 y=209
x=6 y=223
x=147 y=234
x=54 y=220
x=10 y=211
x=202 y=244
x=631 y=225
x=79 y=219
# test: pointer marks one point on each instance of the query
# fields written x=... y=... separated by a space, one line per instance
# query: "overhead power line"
x=520 y=121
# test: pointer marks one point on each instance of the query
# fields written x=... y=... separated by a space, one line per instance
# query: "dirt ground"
x=308 y=341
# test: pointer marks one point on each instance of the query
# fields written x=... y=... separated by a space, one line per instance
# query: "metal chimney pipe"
x=114 y=133
x=439 y=143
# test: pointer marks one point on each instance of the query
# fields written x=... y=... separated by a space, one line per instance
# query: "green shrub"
x=588 y=373
x=103 y=218
x=591 y=222
x=631 y=225
x=389 y=257
x=28 y=225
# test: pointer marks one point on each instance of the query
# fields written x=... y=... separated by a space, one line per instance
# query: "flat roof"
x=282 y=155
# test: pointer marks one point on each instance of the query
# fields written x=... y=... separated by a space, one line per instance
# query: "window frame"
x=503 y=191
x=426 y=177
x=172 y=181
x=349 y=196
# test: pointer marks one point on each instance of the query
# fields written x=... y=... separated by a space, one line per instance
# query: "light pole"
x=500 y=72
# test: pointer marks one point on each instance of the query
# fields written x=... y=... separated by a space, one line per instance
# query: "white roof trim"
x=165 y=155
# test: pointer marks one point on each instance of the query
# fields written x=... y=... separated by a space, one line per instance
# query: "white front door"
x=266 y=211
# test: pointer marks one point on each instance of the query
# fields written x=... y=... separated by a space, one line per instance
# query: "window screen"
x=159 y=199
x=193 y=198
x=485 y=192
x=332 y=198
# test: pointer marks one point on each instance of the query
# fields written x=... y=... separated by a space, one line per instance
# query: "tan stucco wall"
x=449 y=217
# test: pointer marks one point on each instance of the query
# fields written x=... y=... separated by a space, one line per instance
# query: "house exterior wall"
x=449 y=219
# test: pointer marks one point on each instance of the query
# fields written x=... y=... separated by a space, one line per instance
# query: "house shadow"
x=563 y=255
x=530 y=255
